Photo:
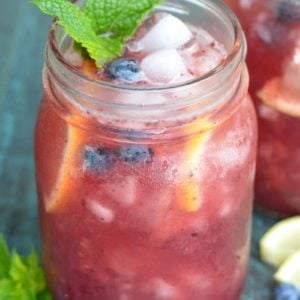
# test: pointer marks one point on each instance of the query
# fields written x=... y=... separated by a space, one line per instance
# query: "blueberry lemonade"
x=145 y=151
x=273 y=31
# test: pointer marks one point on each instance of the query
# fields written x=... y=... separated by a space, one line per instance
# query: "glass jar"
x=272 y=29
x=143 y=198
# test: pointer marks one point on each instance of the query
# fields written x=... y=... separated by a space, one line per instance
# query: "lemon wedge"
x=188 y=189
x=66 y=184
x=289 y=272
x=278 y=96
x=281 y=241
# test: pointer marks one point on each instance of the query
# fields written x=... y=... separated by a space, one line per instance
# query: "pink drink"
x=146 y=188
x=272 y=29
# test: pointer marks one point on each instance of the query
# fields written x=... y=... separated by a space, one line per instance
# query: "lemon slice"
x=89 y=69
x=278 y=96
x=281 y=241
x=289 y=272
x=66 y=183
x=188 y=189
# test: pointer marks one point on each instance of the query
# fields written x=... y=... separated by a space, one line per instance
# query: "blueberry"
x=98 y=159
x=126 y=70
x=286 y=291
x=136 y=154
x=289 y=10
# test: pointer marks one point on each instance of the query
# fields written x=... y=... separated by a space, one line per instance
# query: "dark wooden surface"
x=23 y=32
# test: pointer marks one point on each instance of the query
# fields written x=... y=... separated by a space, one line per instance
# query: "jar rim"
x=238 y=45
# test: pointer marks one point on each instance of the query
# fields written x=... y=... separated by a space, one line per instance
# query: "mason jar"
x=143 y=198
x=272 y=30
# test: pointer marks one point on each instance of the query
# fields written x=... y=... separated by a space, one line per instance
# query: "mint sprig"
x=118 y=16
x=21 y=278
x=102 y=26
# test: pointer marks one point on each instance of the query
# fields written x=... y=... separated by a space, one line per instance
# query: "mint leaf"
x=21 y=278
x=35 y=273
x=10 y=290
x=17 y=271
x=45 y=295
x=103 y=26
x=119 y=17
x=4 y=258
x=79 y=27
x=7 y=288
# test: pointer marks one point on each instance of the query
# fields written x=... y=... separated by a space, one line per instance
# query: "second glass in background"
x=272 y=30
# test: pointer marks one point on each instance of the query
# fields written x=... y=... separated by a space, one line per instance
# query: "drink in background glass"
x=146 y=188
x=272 y=29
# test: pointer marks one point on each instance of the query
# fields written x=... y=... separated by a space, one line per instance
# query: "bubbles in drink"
x=168 y=32
x=165 y=66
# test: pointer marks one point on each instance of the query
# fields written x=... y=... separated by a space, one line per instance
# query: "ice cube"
x=168 y=32
x=163 y=289
x=164 y=66
x=204 y=38
x=204 y=61
x=228 y=155
x=197 y=280
x=231 y=152
x=246 y=4
x=103 y=213
x=124 y=192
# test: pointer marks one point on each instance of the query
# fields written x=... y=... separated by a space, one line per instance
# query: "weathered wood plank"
x=22 y=37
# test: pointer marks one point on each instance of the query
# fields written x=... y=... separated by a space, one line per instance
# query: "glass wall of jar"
x=143 y=199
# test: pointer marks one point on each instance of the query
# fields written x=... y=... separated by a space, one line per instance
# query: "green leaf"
x=45 y=295
x=36 y=278
x=7 y=288
x=18 y=270
x=4 y=258
x=22 y=278
x=79 y=27
x=119 y=17
x=10 y=290
x=103 y=26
